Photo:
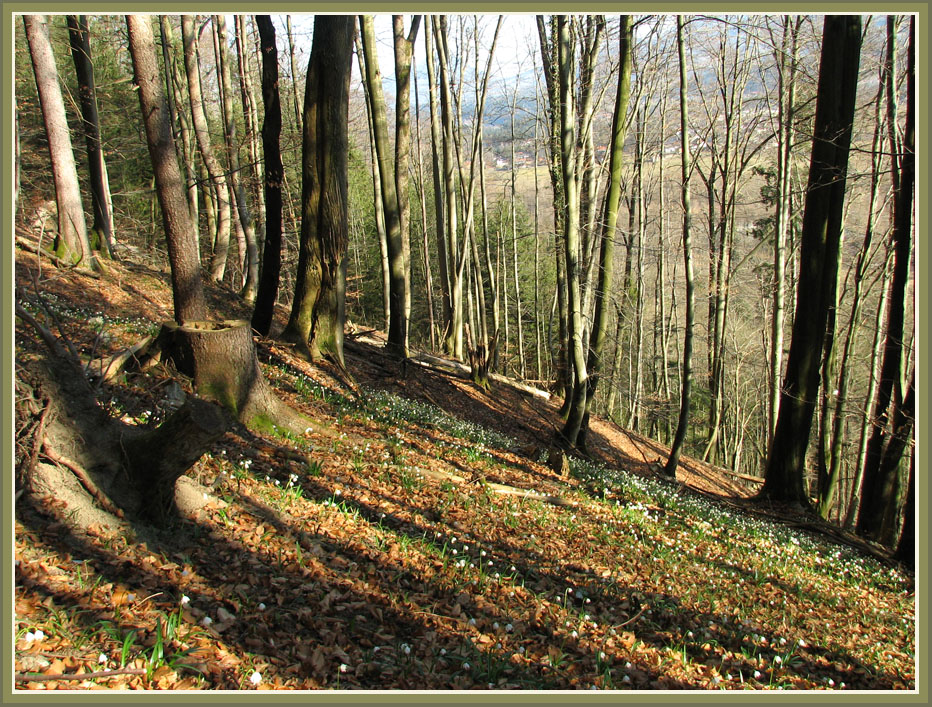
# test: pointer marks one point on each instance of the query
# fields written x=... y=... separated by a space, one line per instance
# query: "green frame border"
x=11 y=10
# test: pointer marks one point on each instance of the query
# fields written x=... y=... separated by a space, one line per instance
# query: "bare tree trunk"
x=440 y=206
x=404 y=50
x=884 y=451
x=422 y=198
x=212 y=165
x=71 y=242
x=251 y=265
x=274 y=173
x=606 y=255
x=187 y=150
x=822 y=223
x=679 y=437
x=187 y=290
x=577 y=410
x=318 y=315
x=87 y=94
x=376 y=190
x=397 y=324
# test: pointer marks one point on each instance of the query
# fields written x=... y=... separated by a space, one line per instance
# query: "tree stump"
x=221 y=358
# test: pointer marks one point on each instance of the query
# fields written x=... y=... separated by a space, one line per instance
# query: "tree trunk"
x=679 y=437
x=221 y=192
x=274 y=173
x=251 y=265
x=317 y=315
x=87 y=95
x=436 y=149
x=404 y=50
x=821 y=233
x=187 y=291
x=577 y=410
x=606 y=256
x=397 y=343
x=881 y=475
x=186 y=149
x=71 y=242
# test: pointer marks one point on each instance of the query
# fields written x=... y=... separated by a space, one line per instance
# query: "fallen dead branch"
x=40 y=677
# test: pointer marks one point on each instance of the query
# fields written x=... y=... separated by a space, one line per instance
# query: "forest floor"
x=421 y=543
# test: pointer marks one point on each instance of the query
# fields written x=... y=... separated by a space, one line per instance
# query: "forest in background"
x=462 y=247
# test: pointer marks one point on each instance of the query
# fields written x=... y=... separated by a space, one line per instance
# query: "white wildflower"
x=255 y=678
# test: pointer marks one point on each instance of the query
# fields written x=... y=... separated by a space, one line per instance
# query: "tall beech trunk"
x=881 y=470
x=679 y=437
x=606 y=255
x=318 y=314
x=577 y=410
x=274 y=173
x=187 y=290
x=440 y=206
x=87 y=96
x=404 y=51
x=187 y=148
x=397 y=343
x=821 y=234
x=71 y=241
x=244 y=217
x=221 y=192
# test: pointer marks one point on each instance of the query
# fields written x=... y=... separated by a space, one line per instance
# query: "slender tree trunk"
x=379 y=209
x=71 y=242
x=187 y=150
x=679 y=437
x=404 y=50
x=267 y=292
x=397 y=325
x=87 y=94
x=881 y=477
x=577 y=410
x=610 y=220
x=251 y=265
x=296 y=103
x=214 y=169
x=436 y=148
x=422 y=198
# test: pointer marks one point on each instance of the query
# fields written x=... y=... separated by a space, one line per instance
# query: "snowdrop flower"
x=495 y=625
x=472 y=622
x=521 y=650
x=207 y=621
x=443 y=651
x=343 y=667
x=482 y=553
x=628 y=666
x=338 y=492
x=255 y=678
x=406 y=648
x=466 y=666
x=831 y=683
x=575 y=634
x=465 y=547
x=509 y=628
x=185 y=599
x=782 y=641
x=626 y=678
x=757 y=674
x=802 y=643
x=102 y=658
x=261 y=606
x=778 y=660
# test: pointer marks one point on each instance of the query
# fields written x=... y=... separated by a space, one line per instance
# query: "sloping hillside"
x=415 y=538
